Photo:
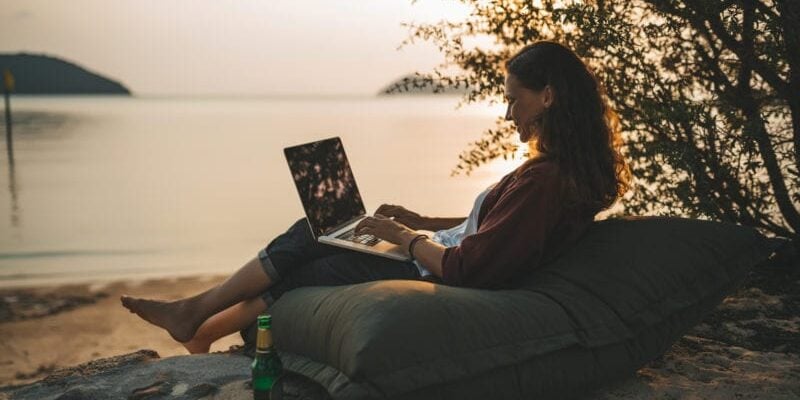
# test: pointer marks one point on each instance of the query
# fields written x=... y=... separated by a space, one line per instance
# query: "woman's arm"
x=427 y=252
x=519 y=224
x=416 y=221
x=436 y=224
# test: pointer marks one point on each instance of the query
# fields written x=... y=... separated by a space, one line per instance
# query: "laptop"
x=330 y=197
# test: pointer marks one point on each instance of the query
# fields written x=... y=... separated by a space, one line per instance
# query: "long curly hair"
x=579 y=130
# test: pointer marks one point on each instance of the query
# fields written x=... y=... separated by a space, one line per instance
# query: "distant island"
x=41 y=74
x=416 y=85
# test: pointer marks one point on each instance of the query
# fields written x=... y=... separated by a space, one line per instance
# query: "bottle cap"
x=264 y=321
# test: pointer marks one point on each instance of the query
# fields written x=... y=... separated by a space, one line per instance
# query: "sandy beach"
x=47 y=328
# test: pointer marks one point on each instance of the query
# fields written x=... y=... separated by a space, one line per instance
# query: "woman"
x=529 y=217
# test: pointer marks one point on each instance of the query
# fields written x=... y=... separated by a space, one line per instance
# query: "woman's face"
x=526 y=106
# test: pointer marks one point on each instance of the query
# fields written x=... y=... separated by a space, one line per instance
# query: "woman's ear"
x=548 y=96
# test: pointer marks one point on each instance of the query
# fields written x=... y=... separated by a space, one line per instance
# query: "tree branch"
x=700 y=15
x=755 y=126
x=790 y=19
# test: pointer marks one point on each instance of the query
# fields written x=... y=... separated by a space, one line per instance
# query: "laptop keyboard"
x=368 y=240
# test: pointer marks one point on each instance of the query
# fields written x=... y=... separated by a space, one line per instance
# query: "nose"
x=508 y=113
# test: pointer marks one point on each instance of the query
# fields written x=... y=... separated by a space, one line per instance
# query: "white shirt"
x=452 y=236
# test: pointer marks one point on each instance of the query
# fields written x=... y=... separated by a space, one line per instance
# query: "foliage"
x=708 y=93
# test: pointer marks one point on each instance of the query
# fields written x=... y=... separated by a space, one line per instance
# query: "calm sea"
x=107 y=188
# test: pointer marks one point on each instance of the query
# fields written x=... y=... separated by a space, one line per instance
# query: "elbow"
x=479 y=273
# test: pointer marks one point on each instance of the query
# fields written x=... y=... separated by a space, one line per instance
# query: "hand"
x=385 y=228
x=402 y=215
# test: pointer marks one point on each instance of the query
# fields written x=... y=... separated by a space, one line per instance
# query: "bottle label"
x=264 y=339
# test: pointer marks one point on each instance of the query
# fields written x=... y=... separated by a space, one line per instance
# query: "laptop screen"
x=325 y=183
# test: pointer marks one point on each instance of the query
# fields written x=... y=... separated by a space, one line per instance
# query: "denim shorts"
x=295 y=259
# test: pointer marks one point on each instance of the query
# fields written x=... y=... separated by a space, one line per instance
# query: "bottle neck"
x=264 y=340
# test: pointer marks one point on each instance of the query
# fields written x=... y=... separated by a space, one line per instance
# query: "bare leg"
x=182 y=318
x=224 y=323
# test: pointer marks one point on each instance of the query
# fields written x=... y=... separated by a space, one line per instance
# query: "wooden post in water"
x=8 y=86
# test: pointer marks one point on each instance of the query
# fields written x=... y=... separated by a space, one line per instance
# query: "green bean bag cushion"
x=627 y=290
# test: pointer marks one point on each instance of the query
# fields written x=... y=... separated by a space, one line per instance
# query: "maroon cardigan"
x=522 y=224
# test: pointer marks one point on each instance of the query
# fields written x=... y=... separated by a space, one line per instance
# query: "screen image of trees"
x=325 y=183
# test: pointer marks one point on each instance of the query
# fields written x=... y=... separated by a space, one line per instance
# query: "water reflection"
x=12 y=176
x=38 y=122
x=26 y=124
x=12 y=188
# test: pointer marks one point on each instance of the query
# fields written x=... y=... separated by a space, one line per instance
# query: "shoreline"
x=99 y=283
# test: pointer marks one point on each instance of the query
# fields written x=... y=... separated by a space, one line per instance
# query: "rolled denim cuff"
x=269 y=269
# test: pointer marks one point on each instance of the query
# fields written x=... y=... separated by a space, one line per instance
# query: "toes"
x=128 y=302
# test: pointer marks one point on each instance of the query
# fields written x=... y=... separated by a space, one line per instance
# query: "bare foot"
x=174 y=316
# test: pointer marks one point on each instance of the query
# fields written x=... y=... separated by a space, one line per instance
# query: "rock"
x=98 y=366
x=74 y=394
x=153 y=390
x=143 y=375
x=202 y=390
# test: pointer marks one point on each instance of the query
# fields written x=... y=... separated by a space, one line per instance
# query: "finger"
x=386 y=209
x=360 y=226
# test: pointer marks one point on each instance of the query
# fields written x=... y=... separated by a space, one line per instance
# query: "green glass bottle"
x=267 y=366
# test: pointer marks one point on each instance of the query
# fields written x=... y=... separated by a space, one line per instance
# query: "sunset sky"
x=248 y=47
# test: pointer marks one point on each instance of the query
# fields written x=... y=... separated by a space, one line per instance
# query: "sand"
x=43 y=335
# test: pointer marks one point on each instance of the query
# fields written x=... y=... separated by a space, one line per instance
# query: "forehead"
x=512 y=84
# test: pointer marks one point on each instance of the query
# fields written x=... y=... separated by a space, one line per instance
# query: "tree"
x=708 y=93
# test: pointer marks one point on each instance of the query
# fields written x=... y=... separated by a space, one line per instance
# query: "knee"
x=300 y=231
x=301 y=224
